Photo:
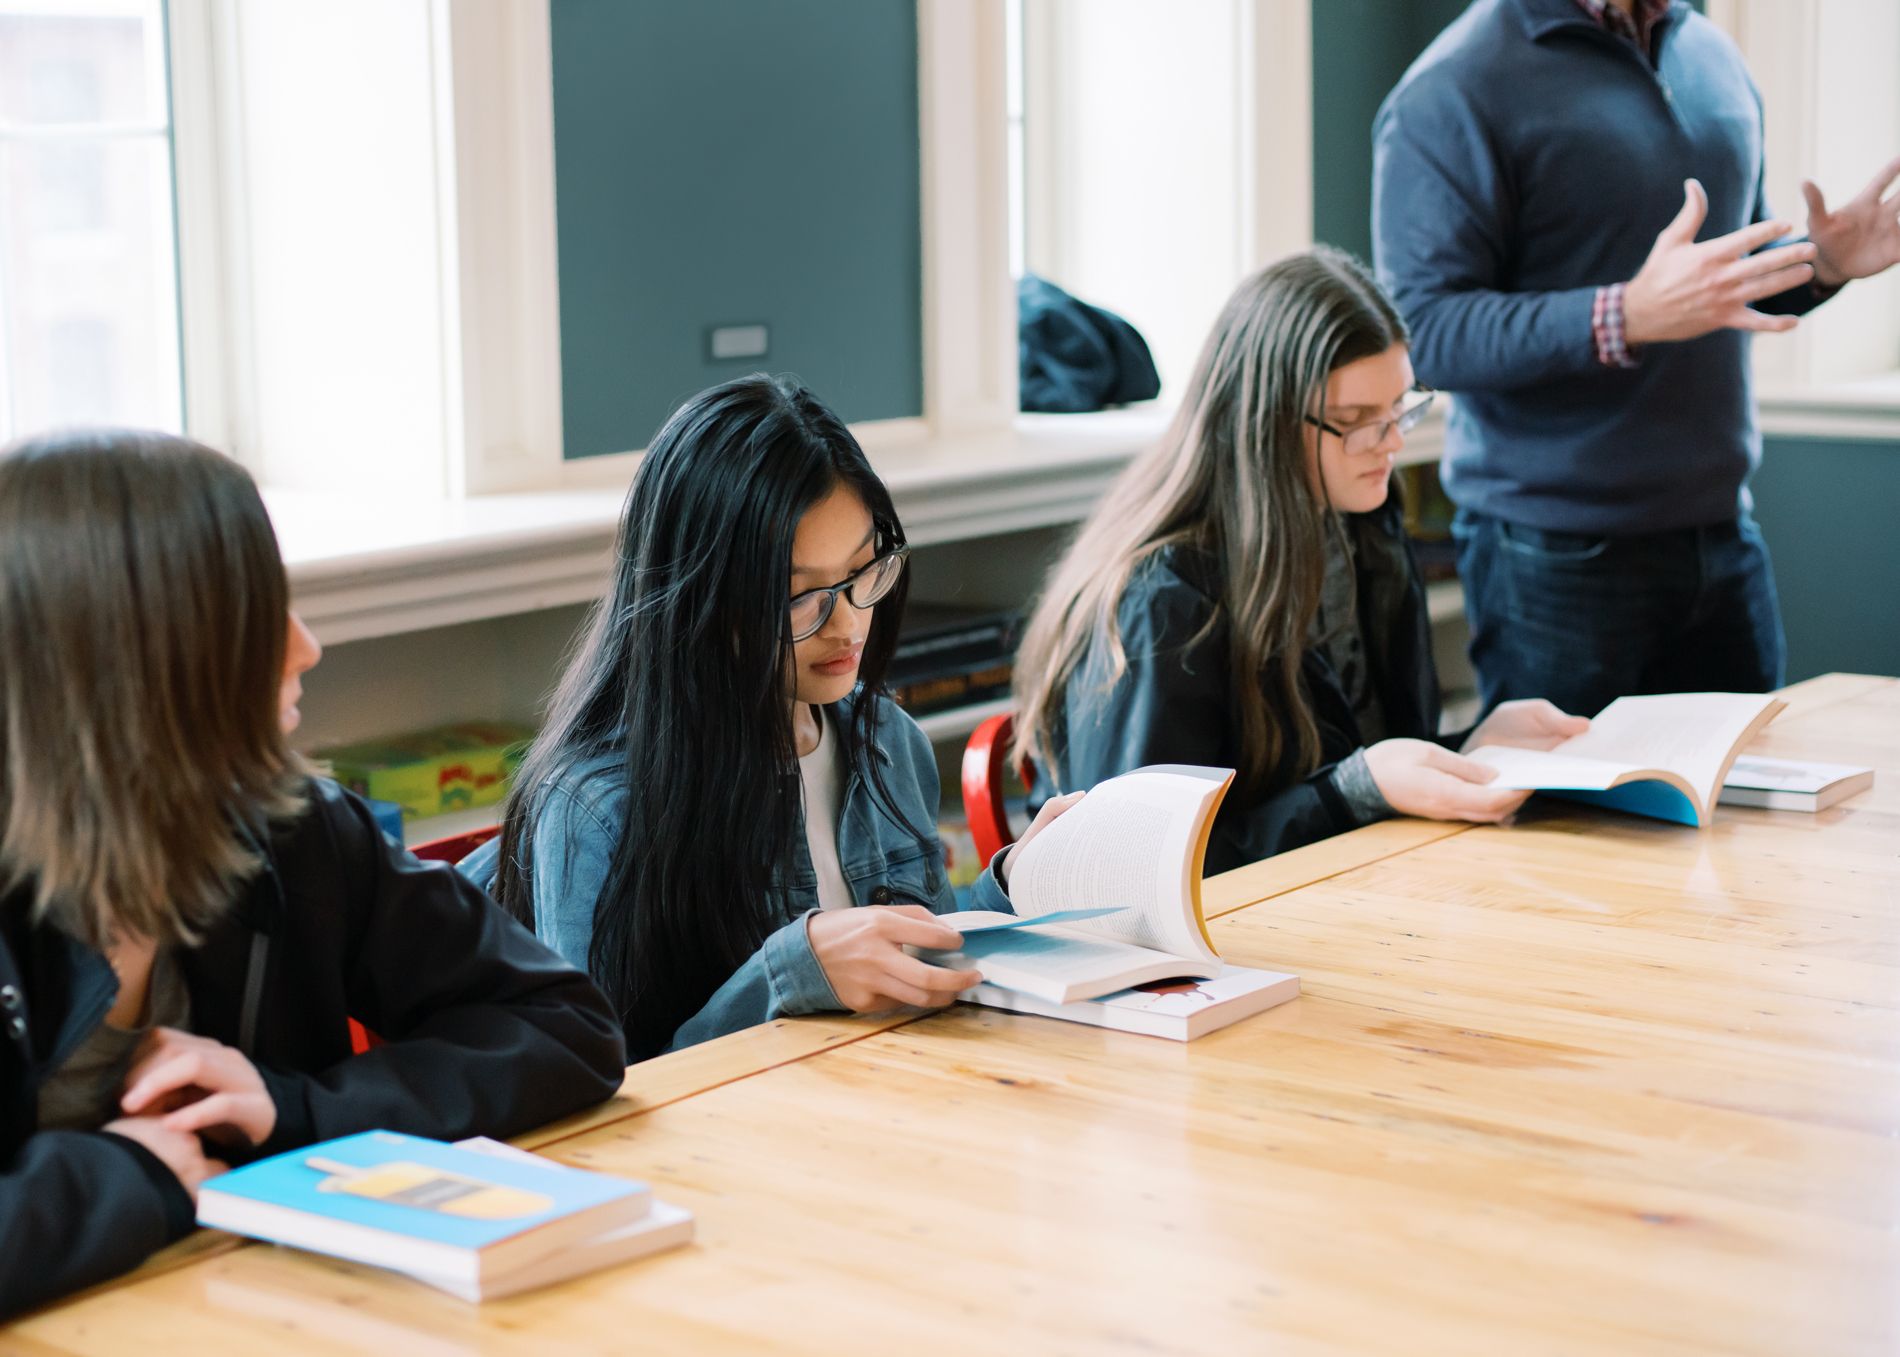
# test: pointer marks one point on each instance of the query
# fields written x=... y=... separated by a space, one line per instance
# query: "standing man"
x=1568 y=208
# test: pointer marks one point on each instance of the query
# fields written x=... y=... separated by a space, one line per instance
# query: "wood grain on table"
x=1589 y=1084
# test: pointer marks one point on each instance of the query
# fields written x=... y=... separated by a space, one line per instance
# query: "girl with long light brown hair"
x=188 y=920
x=1245 y=595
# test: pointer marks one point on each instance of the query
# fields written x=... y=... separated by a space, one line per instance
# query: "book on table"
x=1108 y=900
x=1664 y=756
x=477 y=1219
x=1792 y=784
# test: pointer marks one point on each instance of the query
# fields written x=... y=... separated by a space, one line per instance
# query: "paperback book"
x=478 y=1220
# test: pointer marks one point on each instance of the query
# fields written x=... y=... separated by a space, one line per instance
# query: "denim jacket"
x=578 y=827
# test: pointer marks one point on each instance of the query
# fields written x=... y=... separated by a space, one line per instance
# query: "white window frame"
x=499 y=425
x=196 y=195
x=1801 y=384
x=200 y=194
x=1253 y=154
x=486 y=516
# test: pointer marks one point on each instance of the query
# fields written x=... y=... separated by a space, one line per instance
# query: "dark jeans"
x=1582 y=620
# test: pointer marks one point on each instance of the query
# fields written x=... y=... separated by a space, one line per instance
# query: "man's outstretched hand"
x=1862 y=237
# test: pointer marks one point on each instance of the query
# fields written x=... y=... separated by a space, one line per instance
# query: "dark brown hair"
x=144 y=615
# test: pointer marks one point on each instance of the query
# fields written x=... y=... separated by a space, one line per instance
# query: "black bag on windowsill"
x=1076 y=357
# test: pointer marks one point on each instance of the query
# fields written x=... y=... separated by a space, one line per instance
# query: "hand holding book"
x=1051 y=808
x=864 y=951
x=1417 y=777
x=863 y=957
x=1663 y=755
x=1527 y=723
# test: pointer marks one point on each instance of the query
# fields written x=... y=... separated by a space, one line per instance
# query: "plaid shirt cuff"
x=1606 y=328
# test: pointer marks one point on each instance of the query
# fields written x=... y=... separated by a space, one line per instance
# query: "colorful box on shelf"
x=433 y=772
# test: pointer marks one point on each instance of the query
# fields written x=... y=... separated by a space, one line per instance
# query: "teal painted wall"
x=731 y=162
x=1360 y=49
x=1830 y=509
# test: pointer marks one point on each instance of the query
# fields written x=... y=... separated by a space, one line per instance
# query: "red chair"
x=455 y=847
x=983 y=759
x=448 y=848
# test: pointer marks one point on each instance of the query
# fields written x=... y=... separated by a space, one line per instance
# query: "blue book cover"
x=422 y=1190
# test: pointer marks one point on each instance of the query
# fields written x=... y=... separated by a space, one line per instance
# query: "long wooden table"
x=1588 y=1084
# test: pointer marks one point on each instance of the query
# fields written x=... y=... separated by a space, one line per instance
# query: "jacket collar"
x=260 y=905
x=843 y=710
x=1542 y=18
x=68 y=986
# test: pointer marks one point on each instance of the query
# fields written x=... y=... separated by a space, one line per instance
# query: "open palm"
x=1862 y=237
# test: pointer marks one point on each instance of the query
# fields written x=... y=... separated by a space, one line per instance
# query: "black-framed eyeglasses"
x=1361 y=438
x=812 y=609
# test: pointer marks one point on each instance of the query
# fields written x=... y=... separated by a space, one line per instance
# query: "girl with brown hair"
x=188 y=920
x=1245 y=595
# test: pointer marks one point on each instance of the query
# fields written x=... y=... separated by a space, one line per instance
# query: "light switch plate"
x=739 y=341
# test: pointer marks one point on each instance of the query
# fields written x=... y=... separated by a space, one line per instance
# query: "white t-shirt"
x=824 y=790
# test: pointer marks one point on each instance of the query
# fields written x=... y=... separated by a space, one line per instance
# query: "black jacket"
x=487 y=1032
x=1076 y=357
x=1175 y=702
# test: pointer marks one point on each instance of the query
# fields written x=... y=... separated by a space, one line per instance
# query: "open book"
x=1123 y=869
x=1664 y=756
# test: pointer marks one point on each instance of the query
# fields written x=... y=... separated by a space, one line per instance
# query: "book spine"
x=943 y=693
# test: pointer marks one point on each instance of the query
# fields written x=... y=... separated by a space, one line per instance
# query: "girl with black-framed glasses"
x=725 y=819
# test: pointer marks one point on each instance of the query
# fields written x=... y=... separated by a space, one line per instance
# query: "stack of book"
x=477 y=1219
x=949 y=657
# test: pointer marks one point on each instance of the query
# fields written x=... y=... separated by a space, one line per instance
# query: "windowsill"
x=1867 y=408
x=361 y=567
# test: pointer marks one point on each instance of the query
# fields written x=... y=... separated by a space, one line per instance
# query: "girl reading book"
x=188 y=919
x=724 y=818
x=1245 y=595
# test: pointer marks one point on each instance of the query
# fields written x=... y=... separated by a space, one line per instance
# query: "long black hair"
x=682 y=678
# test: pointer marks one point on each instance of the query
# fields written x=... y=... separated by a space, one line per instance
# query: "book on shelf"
x=1792 y=784
x=1665 y=756
x=947 y=692
x=1107 y=899
x=948 y=657
x=1428 y=514
x=477 y=1219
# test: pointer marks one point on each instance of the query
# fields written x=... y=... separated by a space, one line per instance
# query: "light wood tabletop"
x=1587 y=1084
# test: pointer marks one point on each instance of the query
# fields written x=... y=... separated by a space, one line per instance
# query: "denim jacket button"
x=17 y=1028
x=881 y=896
x=10 y=998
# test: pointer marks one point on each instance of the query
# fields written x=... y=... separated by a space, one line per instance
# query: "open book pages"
x=1109 y=895
x=1664 y=755
x=1134 y=844
x=1062 y=964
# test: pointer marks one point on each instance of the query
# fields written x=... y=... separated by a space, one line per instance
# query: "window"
x=1831 y=108
x=1158 y=153
x=89 y=307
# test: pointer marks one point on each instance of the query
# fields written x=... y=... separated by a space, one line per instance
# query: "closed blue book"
x=458 y=1219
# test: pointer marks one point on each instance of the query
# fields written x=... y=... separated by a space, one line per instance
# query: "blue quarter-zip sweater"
x=1527 y=158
